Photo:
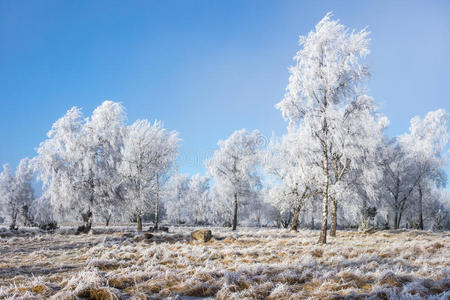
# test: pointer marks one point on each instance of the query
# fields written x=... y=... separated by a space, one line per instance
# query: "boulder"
x=203 y=235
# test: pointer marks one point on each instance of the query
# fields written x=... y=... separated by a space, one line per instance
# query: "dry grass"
x=248 y=264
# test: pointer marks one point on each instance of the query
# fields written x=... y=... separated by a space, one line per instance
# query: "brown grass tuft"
x=98 y=294
x=393 y=280
x=317 y=252
x=434 y=247
x=121 y=282
x=41 y=289
x=200 y=291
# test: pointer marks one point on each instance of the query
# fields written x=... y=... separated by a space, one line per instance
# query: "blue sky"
x=205 y=68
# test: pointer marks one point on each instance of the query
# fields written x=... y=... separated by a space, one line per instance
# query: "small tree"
x=16 y=193
x=413 y=162
x=177 y=203
x=148 y=152
x=8 y=198
x=233 y=167
x=424 y=145
x=24 y=190
x=198 y=198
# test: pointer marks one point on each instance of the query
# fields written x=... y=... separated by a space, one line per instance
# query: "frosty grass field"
x=116 y=263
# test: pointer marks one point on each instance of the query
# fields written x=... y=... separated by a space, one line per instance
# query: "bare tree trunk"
x=312 y=222
x=399 y=219
x=87 y=219
x=420 y=209
x=364 y=217
x=88 y=216
x=333 y=216
x=156 y=221
x=13 y=219
x=303 y=222
x=396 y=220
x=294 y=222
x=235 y=211
x=298 y=207
x=139 y=195
x=27 y=219
x=323 y=231
x=139 y=222
x=108 y=218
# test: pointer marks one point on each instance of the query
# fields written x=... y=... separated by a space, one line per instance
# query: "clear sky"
x=205 y=68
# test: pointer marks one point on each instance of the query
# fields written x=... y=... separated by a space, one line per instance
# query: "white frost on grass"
x=252 y=264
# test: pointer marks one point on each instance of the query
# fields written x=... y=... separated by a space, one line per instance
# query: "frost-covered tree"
x=102 y=140
x=24 y=190
x=287 y=161
x=10 y=207
x=176 y=204
x=399 y=180
x=197 y=199
x=17 y=193
x=91 y=165
x=325 y=94
x=78 y=162
x=282 y=201
x=426 y=143
x=42 y=211
x=258 y=212
x=353 y=152
x=436 y=209
x=188 y=199
x=364 y=191
x=233 y=168
x=59 y=165
x=414 y=162
x=221 y=205
x=148 y=153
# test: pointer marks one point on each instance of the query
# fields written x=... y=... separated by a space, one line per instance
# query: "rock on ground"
x=202 y=235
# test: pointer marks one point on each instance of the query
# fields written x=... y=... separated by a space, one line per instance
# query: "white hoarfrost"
x=233 y=168
x=17 y=194
x=326 y=97
x=149 y=151
x=248 y=263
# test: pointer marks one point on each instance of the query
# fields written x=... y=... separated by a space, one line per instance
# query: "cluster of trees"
x=334 y=163
x=96 y=167
x=335 y=154
x=338 y=136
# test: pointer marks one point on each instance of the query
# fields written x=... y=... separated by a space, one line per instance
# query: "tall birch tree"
x=325 y=94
